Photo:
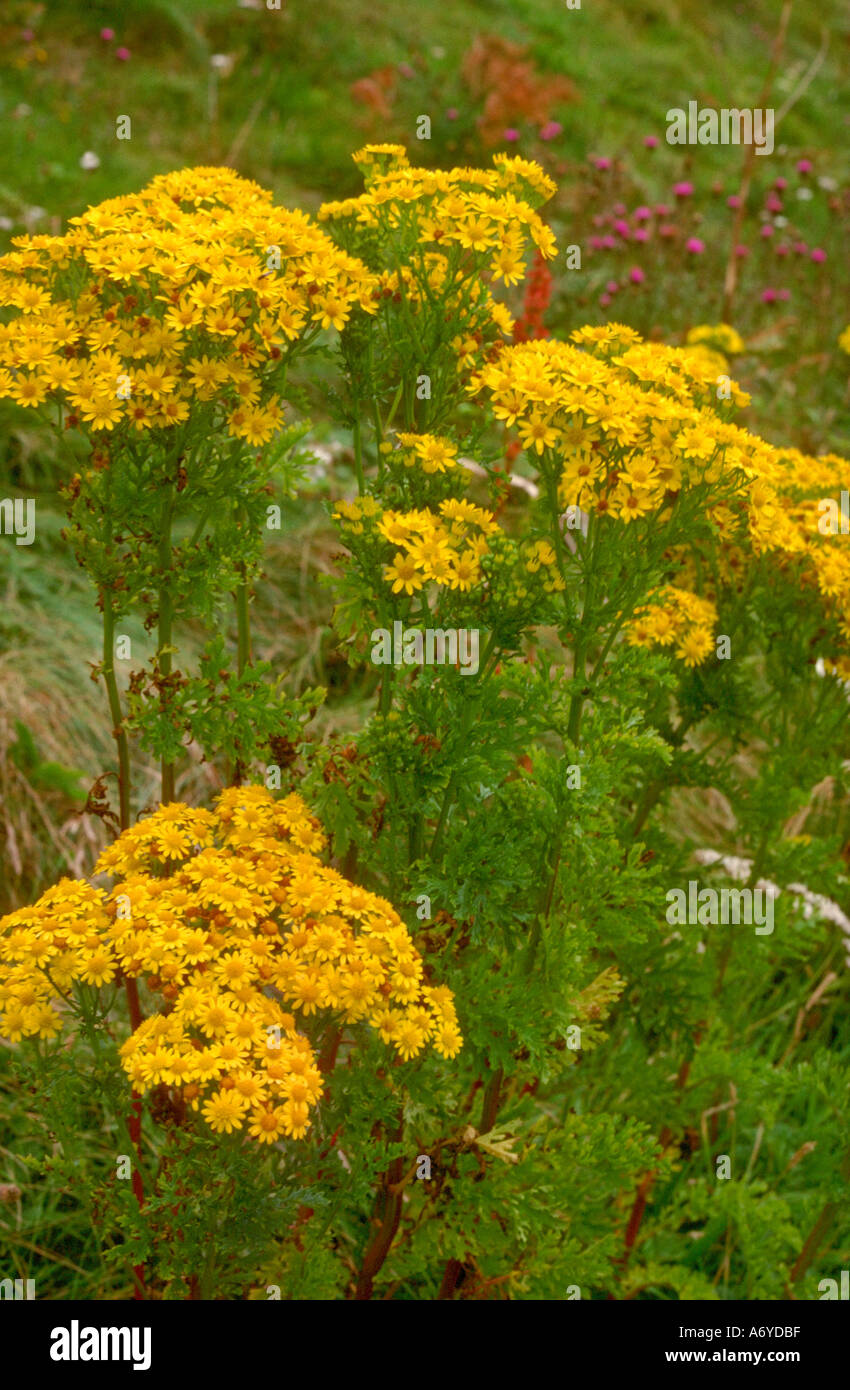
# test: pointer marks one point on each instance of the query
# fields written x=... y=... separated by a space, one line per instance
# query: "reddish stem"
x=327 y=1057
x=646 y=1182
x=451 y=1274
x=492 y=1101
x=379 y=1246
x=489 y=1111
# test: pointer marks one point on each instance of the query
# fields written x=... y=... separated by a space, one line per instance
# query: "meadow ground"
x=283 y=97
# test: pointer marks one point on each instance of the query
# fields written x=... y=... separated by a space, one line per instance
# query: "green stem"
x=243 y=619
x=577 y=700
x=492 y=1099
x=202 y=521
x=823 y=1225
x=119 y=733
x=436 y=843
x=653 y=790
x=379 y=437
x=416 y=837
x=390 y=1203
x=548 y=471
x=165 y=630
x=394 y=406
x=451 y=788
x=386 y=690
x=358 y=448
x=544 y=911
x=651 y=793
x=582 y=640
x=622 y=619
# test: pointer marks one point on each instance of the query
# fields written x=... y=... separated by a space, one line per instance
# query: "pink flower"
x=636 y=275
x=451 y=113
x=651 y=141
x=782 y=249
x=733 y=201
x=683 y=190
x=695 y=246
x=622 y=229
x=804 y=166
x=602 y=163
x=767 y=230
x=801 y=248
x=612 y=287
x=122 y=54
x=768 y=296
x=27 y=35
x=773 y=202
x=551 y=130
x=742 y=251
x=641 y=234
x=609 y=241
x=667 y=230
x=597 y=242
x=619 y=209
x=642 y=214
x=818 y=254
x=662 y=210
x=604 y=301
x=511 y=133
x=107 y=35
x=780 y=184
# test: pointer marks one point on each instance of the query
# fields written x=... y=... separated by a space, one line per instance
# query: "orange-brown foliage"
x=512 y=88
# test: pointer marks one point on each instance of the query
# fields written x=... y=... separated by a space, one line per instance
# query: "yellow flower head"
x=212 y=908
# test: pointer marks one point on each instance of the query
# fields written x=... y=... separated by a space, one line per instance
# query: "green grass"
x=286 y=116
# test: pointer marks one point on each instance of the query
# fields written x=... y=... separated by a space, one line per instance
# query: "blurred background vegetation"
x=284 y=96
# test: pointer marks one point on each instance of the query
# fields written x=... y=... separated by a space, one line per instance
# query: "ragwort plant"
x=160 y=327
x=638 y=618
x=511 y=802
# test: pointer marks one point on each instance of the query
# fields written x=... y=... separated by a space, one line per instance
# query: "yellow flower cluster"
x=432 y=453
x=540 y=558
x=191 y=291
x=721 y=336
x=844 y=340
x=444 y=548
x=460 y=224
x=787 y=515
x=676 y=617
x=234 y=920
x=628 y=424
x=481 y=210
x=629 y=431
x=782 y=515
